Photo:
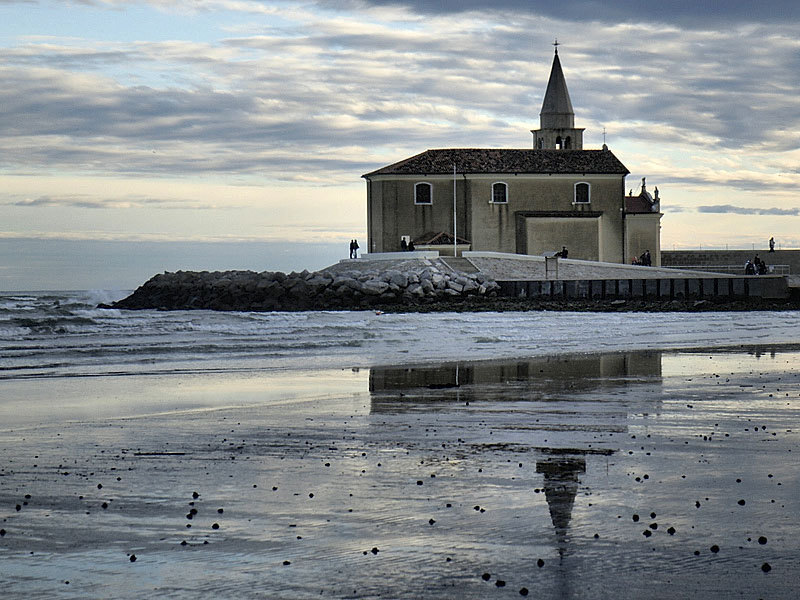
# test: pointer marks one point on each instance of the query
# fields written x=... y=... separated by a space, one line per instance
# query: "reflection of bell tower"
x=560 y=488
x=557 y=129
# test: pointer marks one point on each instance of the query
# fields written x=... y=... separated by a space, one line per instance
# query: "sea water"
x=365 y=455
x=64 y=334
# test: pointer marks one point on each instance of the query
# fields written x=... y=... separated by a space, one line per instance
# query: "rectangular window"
x=422 y=193
x=499 y=193
x=582 y=193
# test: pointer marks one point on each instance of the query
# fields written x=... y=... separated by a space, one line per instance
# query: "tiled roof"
x=506 y=161
x=638 y=204
x=437 y=239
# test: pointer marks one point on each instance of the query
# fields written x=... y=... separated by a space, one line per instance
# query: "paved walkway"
x=525 y=268
x=514 y=267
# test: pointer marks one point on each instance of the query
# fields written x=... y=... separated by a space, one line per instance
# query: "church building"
x=524 y=201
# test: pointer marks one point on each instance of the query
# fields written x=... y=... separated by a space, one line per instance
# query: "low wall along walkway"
x=786 y=262
x=765 y=286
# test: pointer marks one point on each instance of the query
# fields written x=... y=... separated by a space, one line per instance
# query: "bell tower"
x=557 y=129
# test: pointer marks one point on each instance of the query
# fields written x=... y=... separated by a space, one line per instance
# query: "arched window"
x=583 y=193
x=567 y=143
x=499 y=193
x=423 y=193
x=558 y=143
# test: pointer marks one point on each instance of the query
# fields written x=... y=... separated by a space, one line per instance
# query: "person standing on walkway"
x=772 y=244
x=355 y=249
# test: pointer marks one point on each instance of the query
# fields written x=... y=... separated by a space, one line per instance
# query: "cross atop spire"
x=556 y=45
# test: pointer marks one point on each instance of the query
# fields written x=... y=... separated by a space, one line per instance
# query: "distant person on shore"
x=772 y=244
x=564 y=252
x=351 y=248
x=355 y=249
x=749 y=269
x=645 y=259
x=411 y=247
x=403 y=245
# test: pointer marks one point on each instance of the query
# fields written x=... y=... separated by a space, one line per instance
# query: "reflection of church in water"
x=546 y=380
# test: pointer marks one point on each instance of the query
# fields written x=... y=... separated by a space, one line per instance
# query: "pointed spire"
x=557 y=129
x=557 y=112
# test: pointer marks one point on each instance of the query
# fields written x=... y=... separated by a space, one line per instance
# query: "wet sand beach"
x=649 y=474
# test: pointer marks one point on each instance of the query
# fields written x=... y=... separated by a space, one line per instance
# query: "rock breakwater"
x=339 y=289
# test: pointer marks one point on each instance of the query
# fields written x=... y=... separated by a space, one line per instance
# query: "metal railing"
x=733 y=269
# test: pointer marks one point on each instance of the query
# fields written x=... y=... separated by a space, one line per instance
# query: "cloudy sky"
x=144 y=135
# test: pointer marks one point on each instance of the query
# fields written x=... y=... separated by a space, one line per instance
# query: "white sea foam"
x=62 y=334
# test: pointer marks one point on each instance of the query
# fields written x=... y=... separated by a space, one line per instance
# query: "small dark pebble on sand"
x=500 y=583
x=766 y=567
x=486 y=577
x=215 y=526
x=374 y=550
x=714 y=548
x=540 y=563
x=671 y=531
x=762 y=540
x=523 y=591
x=287 y=562
x=195 y=495
x=133 y=558
x=741 y=502
x=431 y=521
x=220 y=511
x=635 y=518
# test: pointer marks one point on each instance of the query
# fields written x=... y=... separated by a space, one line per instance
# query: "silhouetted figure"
x=411 y=247
x=564 y=252
x=749 y=268
x=351 y=248
x=772 y=244
x=403 y=245
x=355 y=249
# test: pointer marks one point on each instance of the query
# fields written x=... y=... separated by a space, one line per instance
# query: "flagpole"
x=455 y=228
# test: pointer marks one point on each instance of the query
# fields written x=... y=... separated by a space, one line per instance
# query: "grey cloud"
x=687 y=13
x=318 y=100
x=91 y=202
x=741 y=210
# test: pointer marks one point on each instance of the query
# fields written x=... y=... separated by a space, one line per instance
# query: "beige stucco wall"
x=493 y=224
x=643 y=232
x=391 y=212
x=581 y=236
